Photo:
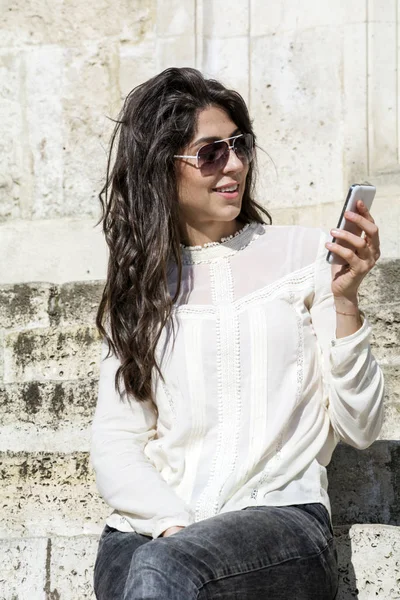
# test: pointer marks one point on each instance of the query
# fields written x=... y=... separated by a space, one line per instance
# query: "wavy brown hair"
x=140 y=213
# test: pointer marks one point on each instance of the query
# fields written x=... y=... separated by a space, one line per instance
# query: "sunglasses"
x=213 y=157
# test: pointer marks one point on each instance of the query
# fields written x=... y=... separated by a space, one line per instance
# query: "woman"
x=234 y=360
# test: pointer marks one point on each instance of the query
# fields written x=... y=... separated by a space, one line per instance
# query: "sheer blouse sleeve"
x=353 y=378
x=125 y=477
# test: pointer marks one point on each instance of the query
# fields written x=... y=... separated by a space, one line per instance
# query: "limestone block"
x=38 y=416
x=297 y=112
x=385 y=337
x=72 y=566
x=1 y=355
x=223 y=22
x=13 y=157
x=76 y=303
x=55 y=250
x=44 y=114
x=136 y=65
x=363 y=484
x=268 y=18
x=90 y=95
x=227 y=59
x=25 y=306
x=49 y=493
x=50 y=354
x=354 y=99
x=176 y=51
x=175 y=18
x=23 y=569
x=32 y=22
x=70 y=21
x=382 y=284
x=391 y=424
x=369 y=566
x=51 y=404
x=127 y=20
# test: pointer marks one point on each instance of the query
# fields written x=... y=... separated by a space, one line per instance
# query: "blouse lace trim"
x=226 y=247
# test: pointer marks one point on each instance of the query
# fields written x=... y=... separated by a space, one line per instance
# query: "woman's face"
x=200 y=198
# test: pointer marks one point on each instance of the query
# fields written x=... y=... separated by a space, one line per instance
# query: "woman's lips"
x=227 y=194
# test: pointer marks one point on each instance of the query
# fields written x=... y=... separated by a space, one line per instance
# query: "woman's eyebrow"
x=210 y=139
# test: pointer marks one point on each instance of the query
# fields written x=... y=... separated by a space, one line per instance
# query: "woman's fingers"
x=365 y=221
x=359 y=243
x=357 y=263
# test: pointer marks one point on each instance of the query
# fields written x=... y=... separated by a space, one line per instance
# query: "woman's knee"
x=165 y=568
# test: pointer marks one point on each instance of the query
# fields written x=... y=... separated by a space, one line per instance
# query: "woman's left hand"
x=360 y=258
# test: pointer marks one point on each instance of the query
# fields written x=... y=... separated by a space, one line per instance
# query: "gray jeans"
x=257 y=553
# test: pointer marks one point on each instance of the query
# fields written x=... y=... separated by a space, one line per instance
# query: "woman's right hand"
x=171 y=530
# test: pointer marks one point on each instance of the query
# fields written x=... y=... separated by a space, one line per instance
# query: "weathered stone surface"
x=36 y=23
x=76 y=303
x=25 y=305
x=288 y=129
x=71 y=566
x=44 y=70
x=136 y=64
x=391 y=424
x=52 y=404
x=23 y=569
x=385 y=338
x=87 y=67
x=382 y=284
x=52 y=250
x=52 y=416
x=175 y=18
x=12 y=155
x=223 y=23
x=62 y=567
x=51 y=354
x=175 y=52
x=369 y=565
x=364 y=485
x=49 y=493
x=227 y=59
x=283 y=16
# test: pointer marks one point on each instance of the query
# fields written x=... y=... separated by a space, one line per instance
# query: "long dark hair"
x=140 y=213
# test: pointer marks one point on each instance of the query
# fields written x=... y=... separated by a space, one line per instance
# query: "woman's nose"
x=233 y=163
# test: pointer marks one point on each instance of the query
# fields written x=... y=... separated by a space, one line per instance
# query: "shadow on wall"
x=364 y=488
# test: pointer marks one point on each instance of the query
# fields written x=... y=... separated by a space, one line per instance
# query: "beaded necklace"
x=222 y=240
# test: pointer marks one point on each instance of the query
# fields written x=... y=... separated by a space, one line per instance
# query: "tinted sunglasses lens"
x=212 y=156
x=244 y=147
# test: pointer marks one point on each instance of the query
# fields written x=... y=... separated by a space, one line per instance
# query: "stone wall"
x=320 y=82
x=319 y=79
x=50 y=357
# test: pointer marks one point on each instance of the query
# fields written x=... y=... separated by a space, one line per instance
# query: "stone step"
x=54 y=493
x=51 y=354
x=56 y=415
x=49 y=493
x=61 y=568
x=29 y=305
x=39 y=415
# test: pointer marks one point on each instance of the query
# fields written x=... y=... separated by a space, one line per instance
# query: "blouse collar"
x=226 y=247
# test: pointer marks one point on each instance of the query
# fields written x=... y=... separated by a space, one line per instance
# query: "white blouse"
x=257 y=393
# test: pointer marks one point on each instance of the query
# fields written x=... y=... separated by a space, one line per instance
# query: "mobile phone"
x=357 y=191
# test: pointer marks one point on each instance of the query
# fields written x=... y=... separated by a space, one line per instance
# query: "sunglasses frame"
x=230 y=147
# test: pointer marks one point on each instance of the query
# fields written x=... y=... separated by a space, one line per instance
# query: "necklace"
x=222 y=240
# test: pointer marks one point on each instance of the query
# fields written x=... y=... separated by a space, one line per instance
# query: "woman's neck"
x=210 y=233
